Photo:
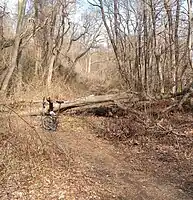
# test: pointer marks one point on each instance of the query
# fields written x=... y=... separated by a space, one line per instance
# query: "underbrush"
x=36 y=90
x=78 y=86
x=153 y=141
x=133 y=130
x=161 y=143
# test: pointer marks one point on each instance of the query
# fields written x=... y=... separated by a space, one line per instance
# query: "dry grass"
x=36 y=90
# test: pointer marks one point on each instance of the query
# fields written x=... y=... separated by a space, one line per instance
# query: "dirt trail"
x=111 y=172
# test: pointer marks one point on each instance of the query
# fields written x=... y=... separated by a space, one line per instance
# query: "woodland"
x=115 y=77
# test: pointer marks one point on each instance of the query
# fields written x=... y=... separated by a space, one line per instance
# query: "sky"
x=12 y=8
x=11 y=4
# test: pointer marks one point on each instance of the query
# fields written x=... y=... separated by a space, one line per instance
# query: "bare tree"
x=151 y=41
x=148 y=39
x=60 y=18
x=17 y=42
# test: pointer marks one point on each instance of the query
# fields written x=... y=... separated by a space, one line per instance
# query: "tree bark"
x=50 y=70
x=13 y=64
x=16 y=46
x=190 y=32
x=176 y=44
x=85 y=101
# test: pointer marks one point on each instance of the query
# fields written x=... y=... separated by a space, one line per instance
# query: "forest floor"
x=89 y=157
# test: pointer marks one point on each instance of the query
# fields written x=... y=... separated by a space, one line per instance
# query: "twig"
x=169 y=108
x=170 y=130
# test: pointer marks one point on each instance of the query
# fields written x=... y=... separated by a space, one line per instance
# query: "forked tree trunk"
x=13 y=64
x=15 y=51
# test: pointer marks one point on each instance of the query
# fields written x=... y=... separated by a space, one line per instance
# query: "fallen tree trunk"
x=85 y=101
x=181 y=98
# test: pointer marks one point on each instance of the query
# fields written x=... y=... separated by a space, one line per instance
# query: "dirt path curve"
x=111 y=175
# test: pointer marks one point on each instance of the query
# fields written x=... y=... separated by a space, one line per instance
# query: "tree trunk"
x=85 y=101
x=15 y=52
x=146 y=47
x=19 y=78
x=14 y=62
x=190 y=32
x=89 y=61
x=38 y=64
x=171 y=68
x=176 y=45
x=50 y=70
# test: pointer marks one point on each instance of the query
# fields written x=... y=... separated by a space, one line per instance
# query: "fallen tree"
x=181 y=98
x=122 y=100
x=91 y=100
